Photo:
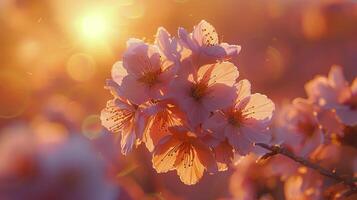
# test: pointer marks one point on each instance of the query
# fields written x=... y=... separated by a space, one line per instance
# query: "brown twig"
x=276 y=149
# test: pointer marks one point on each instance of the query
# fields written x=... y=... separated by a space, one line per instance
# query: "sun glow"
x=94 y=27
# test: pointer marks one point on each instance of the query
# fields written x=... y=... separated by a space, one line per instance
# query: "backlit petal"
x=165 y=154
x=259 y=107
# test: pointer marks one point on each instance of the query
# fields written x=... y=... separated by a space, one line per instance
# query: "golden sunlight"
x=94 y=27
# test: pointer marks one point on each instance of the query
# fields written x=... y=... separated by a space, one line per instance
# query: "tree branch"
x=276 y=149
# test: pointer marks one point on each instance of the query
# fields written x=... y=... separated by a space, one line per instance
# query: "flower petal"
x=220 y=73
x=141 y=58
x=220 y=96
x=222 y=51
x=259 y=107
x=111 y=116
x=337 y=78
x=318 y=89
x=347 y=116
x=216 y=124
x=230 y=50
x=166 y=44
x=330 y=122
x=157 y=128
x=238 y=140
x=190 y=175
x=255 y=135
x=205 y=156
x=311 y=143
x=185 y=38
x=118 y=72
x=197 y=114
x=164 y=155
x=224 y=155
x=135 y=91
x=205 y=34
x=243 y=89
x=128 y=138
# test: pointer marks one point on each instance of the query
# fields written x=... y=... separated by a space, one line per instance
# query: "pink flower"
x=333 y=92
x=204 y=91
x=299 y=127
x=169 y=46
x=245 y=122
x=124 y=118
x=253 y=181
x=161 y=116
x=184 y=152
x=304 y=185
x=142 y=75
x=204 y=44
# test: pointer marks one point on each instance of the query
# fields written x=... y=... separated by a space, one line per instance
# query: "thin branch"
x=276 y=149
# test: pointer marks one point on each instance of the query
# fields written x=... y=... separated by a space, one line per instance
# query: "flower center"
x=235 y=118
x=198 y=90
x=150 y=78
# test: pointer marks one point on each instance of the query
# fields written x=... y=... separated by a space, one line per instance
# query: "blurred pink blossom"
x=333 y=92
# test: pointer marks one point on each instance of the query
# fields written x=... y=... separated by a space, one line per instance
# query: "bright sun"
x=94 y=27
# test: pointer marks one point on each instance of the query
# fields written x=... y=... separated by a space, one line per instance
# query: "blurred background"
x=56 y=54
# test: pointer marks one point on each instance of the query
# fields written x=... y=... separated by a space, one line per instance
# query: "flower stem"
x=276 y=149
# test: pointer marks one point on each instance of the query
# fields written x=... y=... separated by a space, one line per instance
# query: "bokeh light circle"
x=80 y=67
x=91 y=127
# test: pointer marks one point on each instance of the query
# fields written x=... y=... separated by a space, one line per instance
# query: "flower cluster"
x=320 y=128
x=324 y=117
x=181 y=97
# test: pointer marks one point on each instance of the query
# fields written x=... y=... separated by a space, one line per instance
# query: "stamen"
x=209 y=37
x=120 y=117
x=150 y=78
x=173 y=151
x=198 y=90
x=235 y=118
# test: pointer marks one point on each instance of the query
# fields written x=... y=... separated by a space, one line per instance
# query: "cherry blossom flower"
x=204 y=44
x=160 y=116
x=124 y=118
x=245 y=122
x=299 y=127
x=184 y=152
x=333 y=92
x=142 y=75
x=180 y=97
x=204 y=91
